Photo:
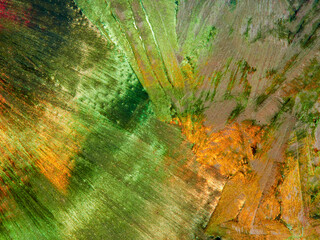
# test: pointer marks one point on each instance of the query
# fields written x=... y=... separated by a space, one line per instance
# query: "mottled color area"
x=159 y=119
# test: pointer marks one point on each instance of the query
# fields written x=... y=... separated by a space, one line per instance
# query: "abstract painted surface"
x=159 y=119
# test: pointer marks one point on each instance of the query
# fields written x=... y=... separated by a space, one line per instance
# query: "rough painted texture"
x=127 y=119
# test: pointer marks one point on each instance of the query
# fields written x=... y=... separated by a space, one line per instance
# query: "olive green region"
x=236 y=61
x=148 y=39
x=119 y=184
x=27 y=54
x=99 y=81
x=28 y=59
x=198 y=38
x=118 y=174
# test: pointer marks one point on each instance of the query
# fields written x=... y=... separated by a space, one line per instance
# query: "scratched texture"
x=159 y=119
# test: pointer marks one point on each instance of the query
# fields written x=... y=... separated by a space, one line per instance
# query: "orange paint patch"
x=228 y=149
x=56 y=146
